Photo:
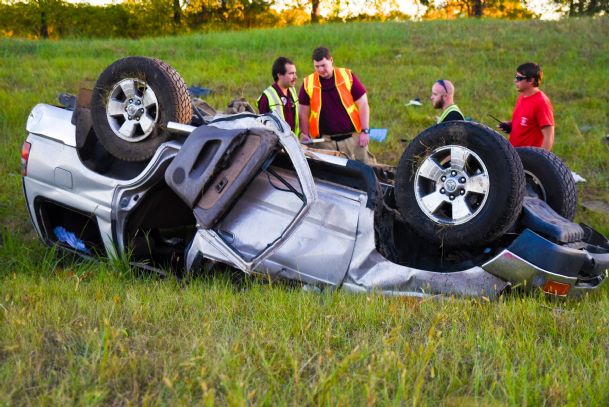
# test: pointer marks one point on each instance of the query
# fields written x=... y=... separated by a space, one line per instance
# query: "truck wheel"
x=132 y=102
x=549 y=179
x=459 y=184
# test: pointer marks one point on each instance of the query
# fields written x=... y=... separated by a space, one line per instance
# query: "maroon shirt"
x=289 y=106
x=333 y=119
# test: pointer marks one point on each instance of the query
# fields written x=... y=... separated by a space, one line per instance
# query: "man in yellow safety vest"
x=442 y=97
x=334 y=107
x=281 y=96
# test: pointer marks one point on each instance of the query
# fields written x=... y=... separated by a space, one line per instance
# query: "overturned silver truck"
x=134 y=167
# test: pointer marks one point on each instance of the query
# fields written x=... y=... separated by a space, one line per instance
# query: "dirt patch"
x=596 y=206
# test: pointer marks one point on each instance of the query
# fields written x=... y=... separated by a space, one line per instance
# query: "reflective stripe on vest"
x=344 y=81
x=449 y=109
x=276 y=105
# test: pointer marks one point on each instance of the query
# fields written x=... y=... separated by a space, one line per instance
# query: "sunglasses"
x=441 y=82
x=520 y=78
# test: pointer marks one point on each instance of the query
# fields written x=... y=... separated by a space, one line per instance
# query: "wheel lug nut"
x=130 y=118
x=452 y=197
x=462 y=180
x=141 y=110
x=138 y=102
x=453 y=173
x=462 y=192
x=443 y=178
x=442 y=190
x=137 y=118
x=130 y=100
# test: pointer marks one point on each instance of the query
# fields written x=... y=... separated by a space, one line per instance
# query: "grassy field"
x=93 y=333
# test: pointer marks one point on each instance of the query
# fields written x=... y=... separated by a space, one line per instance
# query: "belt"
x=339 y=137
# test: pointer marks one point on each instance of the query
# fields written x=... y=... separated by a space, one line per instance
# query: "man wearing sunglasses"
x=442 y=94
x=532 y=123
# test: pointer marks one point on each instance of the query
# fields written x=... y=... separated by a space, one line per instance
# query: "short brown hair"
x=320 y=53
x=279 y=67
x=532 y=71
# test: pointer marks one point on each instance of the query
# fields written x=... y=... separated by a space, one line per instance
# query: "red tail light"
x=25 y=155
x=556 y=288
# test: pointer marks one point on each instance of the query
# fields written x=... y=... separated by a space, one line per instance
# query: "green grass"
x=89 y=333
x=86 y=336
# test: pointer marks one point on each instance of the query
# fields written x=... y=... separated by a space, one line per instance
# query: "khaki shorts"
x=349 y=147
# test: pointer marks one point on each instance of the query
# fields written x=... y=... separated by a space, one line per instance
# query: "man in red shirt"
x=281 y=96
x=532 y=123
x=334 y=107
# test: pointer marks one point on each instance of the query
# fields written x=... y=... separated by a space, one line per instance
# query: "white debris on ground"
x=310 y=288
x=577 y=178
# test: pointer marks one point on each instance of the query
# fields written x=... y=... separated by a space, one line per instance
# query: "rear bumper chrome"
x=532 y=261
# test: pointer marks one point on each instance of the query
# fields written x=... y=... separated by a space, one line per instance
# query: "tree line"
x=138 y=18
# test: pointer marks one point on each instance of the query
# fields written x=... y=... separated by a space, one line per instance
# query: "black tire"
x=456 y=204
x=549 y=179
x=131 y=124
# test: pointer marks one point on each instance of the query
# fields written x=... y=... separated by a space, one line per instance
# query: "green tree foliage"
x=151 y=16
x=34 y=19
x=345 y=10
x=585 y=7
x=139 y=18
x=57 y=19
x=131 y=19
x=514 y=9
x=230 y=13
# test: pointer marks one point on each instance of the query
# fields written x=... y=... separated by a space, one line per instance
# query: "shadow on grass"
x=17 y=257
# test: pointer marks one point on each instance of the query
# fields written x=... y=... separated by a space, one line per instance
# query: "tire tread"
x=559 y=182
x=490 y=223
x=177 y=105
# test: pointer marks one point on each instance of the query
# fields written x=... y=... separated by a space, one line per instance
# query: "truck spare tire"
x=459 y=184
x=549 y=179
x=132 y=102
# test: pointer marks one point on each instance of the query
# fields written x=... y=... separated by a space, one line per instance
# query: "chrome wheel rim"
x=132 y=110
x=452 y=185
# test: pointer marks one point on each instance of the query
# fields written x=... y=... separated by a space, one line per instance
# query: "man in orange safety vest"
x=333 y=106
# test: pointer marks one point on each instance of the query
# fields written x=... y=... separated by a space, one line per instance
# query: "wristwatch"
x=366 y=131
